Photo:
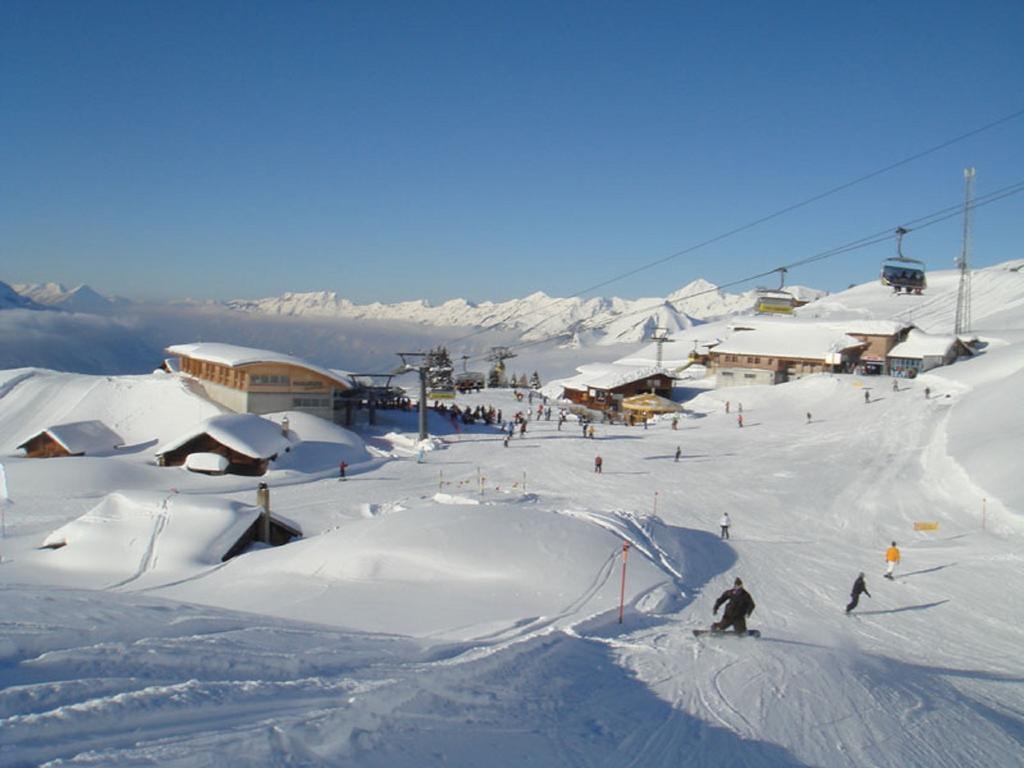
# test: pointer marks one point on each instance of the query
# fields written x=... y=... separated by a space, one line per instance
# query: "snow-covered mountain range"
x=536 y=316
x=81 y=298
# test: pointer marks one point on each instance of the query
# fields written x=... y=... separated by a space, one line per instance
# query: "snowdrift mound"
x=151 y=537
x=447 y=572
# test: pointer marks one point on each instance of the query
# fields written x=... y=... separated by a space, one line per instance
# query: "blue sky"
x=393 y=151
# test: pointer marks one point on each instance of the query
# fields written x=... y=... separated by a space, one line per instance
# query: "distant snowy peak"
x=12 y=299
x=537 y=316
x=79 y=299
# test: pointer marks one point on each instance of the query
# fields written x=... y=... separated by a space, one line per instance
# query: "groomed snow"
x=411 y=627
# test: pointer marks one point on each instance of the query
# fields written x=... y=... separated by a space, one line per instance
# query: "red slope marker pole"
x=622 y=591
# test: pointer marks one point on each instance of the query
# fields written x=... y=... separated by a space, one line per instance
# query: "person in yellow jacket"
x=892 y=556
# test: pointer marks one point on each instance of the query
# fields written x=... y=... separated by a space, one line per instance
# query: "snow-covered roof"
x=80 y=437
x=874 y=327
x=609 y=375
x=920 y=344
x=811 y=341
x=234 y=356
x=245 y=433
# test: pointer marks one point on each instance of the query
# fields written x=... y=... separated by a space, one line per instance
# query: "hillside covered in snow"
x=458 y=601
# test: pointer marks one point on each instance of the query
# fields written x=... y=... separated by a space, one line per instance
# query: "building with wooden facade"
x=248 y=380
x=248 y=442
x=922 y=351
x=603 y=387
x=78 y=438
x=880 y=336
x=771 y=352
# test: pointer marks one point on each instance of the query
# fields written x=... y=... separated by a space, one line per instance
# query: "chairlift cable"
x=922 y=222
x=761 y=220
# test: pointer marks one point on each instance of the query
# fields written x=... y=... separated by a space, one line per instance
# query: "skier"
x=725 y=522
x=927 y=393
x=505 y=441
x=590 y=432
x=726 y=406
x=341 y=470
x=679 y=452
x=867 y=397
x=739 y=420
x=892 y=557
x=858 y=588
x=738 y=607
x=421 y=456
x=895 y=386
x=598 y=463
x=808 y=417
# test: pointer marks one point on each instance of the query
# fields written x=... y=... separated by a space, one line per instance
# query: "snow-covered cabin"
x=603 y=386
x=77 y=438
x=249 y=380
x=923 y=351
x=248 y=442
x=880 y=336
x=772 y=351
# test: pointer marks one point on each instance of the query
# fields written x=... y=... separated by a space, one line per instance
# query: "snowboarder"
x=725 y=522
x=738 y=607
x=858 y=588
x=341 y=470
x=892 y=557
x=927 y=393
x=598 y=463
x=679 y=452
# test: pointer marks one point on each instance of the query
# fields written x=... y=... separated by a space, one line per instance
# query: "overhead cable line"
x=759 y=221
x=922 y=222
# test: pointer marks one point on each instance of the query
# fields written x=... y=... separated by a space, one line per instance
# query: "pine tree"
x=440 y=370
x=535 y=381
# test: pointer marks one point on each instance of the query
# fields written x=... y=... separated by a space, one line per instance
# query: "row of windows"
x=311 y=402
x=740 y=358
x=257 y=379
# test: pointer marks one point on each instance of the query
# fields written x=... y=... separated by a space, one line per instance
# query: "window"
x=258 y=380
x=749 y=375
x=311 y=402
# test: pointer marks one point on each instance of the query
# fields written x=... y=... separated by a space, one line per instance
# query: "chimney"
x=263 y=524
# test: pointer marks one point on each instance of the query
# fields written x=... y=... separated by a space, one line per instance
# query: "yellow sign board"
x=926 y=526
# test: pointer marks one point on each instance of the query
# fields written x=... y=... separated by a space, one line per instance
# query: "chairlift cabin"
x=902 y=273
x=775 y=301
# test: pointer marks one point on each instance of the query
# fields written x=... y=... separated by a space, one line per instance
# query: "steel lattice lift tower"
x=963 y=296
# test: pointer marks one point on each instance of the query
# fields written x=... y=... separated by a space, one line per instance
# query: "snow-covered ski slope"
x=423 y=622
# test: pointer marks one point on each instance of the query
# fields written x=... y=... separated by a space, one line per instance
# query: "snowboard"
x=726 y=633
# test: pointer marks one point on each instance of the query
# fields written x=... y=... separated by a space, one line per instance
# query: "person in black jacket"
x=738 y=607
x=858 y=588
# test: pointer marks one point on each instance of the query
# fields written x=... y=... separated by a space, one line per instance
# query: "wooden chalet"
x=248 y=380
x=248 y=442
x=771 y=352
x=604 y=387
x=921 y=352
x=78 y=438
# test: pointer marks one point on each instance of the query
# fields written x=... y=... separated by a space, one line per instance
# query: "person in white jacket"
x=725 y=522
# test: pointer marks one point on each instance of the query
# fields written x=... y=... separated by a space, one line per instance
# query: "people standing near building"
x=738 y=607
x=679 y=452
x=598 y=463
x=859 y=588
x=892 y=557
x=725 y=522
